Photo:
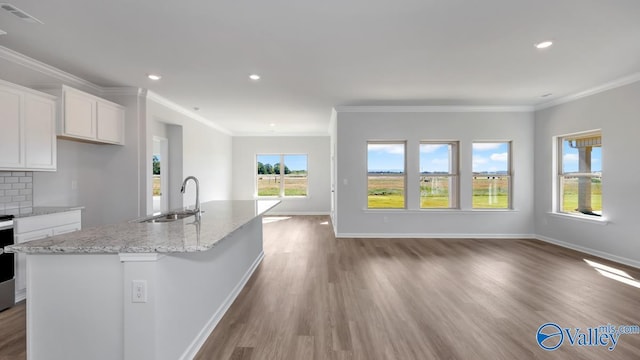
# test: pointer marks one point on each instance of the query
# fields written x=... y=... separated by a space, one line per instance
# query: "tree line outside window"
x=281 y=175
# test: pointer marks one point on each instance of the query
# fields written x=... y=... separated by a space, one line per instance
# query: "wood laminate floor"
x=13 y=335
x=317 y=297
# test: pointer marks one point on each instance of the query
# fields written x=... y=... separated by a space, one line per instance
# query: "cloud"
x=502 y=157
x=486 y=146
x=440 y=161
x=479 y=160
x=430 y=148
x=570 y=158
x=387 y=148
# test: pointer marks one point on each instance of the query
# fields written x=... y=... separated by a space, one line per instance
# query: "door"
x=40 y=133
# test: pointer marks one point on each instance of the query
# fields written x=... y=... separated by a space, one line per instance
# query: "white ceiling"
x=313 y=55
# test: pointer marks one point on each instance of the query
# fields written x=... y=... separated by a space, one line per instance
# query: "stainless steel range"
x=7 y=270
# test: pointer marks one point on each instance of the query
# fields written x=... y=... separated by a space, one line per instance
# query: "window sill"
x=281 y=197
x=583 y=218
x=439 y=211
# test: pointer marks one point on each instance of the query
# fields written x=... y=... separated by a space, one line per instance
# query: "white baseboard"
x=435 y=236
x=296 y=213
x=21 y=295
x=197 y=343
x=586 y=250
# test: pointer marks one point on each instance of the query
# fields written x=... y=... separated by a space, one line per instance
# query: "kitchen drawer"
x=42 y=222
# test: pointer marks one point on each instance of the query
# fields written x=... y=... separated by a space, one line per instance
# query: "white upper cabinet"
x=90 y=118
x=79 y=114
x=40 y=132
x=111 y=124
x=27 y=135
x=11 y=138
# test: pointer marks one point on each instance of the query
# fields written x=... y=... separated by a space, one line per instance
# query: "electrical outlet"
x=139 y=291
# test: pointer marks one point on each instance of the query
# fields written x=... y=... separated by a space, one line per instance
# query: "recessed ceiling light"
x=195 y=108
x=2 y=32
x=154 y=77
x=272 y=124
x=546 y=95
x=254 y=77
x=544 y=44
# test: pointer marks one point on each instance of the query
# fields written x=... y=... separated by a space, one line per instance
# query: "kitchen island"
x=140 y=290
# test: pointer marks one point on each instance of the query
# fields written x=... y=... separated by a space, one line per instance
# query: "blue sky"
x=570 y=158
x=385 y=157
x=293 y=162
x=490 y=157
x=435 y=158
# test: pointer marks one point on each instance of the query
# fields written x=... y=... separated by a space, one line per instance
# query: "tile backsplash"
x=16 y=192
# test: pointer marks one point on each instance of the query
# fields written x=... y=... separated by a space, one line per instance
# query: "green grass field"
x=294 y=185
x=387 y=192
x=570 y=195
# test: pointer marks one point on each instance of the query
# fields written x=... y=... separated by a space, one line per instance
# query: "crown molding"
x=179 y=109
x=43 y=68
x=276 y=134
x=595 y=90
x=121 y=91
x=433 y=109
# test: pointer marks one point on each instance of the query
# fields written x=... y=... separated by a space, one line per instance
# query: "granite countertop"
x=219 y=219
x=46 y=210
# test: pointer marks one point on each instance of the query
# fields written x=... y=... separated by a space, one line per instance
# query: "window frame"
x=508 y=175
x=404 y=174
x=453 y=175
x=282 y=176
x=560 y=174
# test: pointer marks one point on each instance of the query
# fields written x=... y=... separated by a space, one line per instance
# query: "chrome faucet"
x=184 y=184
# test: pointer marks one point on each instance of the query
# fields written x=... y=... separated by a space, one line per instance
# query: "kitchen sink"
x=167 y=217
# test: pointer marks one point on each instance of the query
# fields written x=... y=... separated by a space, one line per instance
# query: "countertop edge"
x=26 y=248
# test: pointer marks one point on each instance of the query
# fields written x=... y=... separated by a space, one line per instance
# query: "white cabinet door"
x=40 y=133
x=110 y=123
x=11 y=132
x=79 y=115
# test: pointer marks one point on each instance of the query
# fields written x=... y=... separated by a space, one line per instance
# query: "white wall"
x=356 y=128
x=103 y=178
x=616 y=112
x=317 y=148
x=206 y=154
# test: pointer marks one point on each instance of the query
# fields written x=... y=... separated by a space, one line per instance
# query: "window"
x=491 y=175
x=580 y=174
x=438 y=175
x=386 y=176
x=289 y=179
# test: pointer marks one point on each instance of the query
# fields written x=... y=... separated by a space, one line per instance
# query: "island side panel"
x=74 y=307
x=196 y=289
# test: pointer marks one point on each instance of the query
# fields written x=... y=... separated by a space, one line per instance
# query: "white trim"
x=434 y=236
x=296 y=213
x=121 y=91
x=595 y=90
x=33 y=64
x=597 y=220
x=28 y=90
x=21 y=295
x=437 y=109
x=197 y=343
x=179 y=109
x=140 y=257
x=275 y=134
x=586 y=250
